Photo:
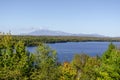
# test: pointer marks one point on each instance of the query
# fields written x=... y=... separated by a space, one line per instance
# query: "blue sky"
x=74 y=16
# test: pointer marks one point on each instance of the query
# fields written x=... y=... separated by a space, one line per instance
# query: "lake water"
x=66 y=51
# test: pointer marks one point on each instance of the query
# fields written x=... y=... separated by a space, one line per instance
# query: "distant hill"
x=44 y=32
x=89 y=35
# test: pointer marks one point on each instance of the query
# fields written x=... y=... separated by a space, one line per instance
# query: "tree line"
x=35 y=40
x=16 y=63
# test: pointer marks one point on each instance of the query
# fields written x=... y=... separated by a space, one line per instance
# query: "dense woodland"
x=35 y=40
x=18 y=64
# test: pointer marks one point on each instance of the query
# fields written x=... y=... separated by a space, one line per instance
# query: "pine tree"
x=45 y=64
x=110 y=67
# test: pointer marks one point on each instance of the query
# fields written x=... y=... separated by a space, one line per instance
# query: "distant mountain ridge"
x=44 y=32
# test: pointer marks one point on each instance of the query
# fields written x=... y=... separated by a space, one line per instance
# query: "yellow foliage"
x=68 y=71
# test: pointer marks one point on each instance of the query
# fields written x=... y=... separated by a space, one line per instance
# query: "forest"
x=16 y=63
x=35 y=40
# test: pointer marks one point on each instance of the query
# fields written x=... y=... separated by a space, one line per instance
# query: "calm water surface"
x=66 y=51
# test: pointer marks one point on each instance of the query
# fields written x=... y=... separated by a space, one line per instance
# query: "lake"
x=66 y=51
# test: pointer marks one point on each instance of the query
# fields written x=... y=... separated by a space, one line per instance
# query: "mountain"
x=44 y=32
x=89 y=35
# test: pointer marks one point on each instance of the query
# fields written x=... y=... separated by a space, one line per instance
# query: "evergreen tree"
x=13 y=60
x=45 y=64
x=110 y=67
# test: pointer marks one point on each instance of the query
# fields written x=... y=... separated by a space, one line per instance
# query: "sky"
x=73 y=16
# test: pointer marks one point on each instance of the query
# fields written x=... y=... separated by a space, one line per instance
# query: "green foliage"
x=16 y=63
x=106 y=67
x=35 y=40
x=108 y=53
x=13 y=59
x=46 y=65
x=85 y=66
x=68 y=72
x=110 y=67
x=90 y=68
x=79 y=61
